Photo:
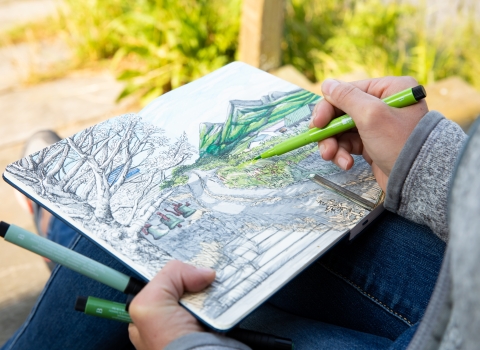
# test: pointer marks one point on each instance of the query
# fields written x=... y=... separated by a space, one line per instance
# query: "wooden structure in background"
x=260 y=42
x=261 y=33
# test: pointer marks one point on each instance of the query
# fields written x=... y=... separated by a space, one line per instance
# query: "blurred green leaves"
x=329 y=38
x=158 y=45
x=155 y=45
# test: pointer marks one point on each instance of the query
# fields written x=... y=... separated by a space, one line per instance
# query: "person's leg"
x=378 y=285
x=366 y=293
x=54 y=324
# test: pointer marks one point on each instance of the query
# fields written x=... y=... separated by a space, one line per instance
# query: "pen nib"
x=257 y=158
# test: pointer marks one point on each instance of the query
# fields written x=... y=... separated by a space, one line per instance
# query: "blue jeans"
x=367 y=294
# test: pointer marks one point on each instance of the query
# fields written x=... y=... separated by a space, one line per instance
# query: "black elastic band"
x=134 y=286
x=3 y=228
x=129 y=301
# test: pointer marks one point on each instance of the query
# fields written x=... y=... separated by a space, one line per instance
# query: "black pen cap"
x=129 y=301
x=134 y=286
x=81 y=304
x=419 y=92
x=3 y=228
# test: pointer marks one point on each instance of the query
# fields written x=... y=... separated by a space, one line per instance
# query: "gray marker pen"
x=70 y=259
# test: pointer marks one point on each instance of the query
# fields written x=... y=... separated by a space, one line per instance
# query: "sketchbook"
x=177 y=181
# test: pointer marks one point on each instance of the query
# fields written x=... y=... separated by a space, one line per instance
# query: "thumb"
x=174 y=279
x=349 y=98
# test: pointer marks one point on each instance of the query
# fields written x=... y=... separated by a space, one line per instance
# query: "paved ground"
x=66 y=105
x=15 y=12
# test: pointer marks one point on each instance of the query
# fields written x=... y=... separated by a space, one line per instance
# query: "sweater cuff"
x=205 y=341
x=407 y=156
x=418 y=185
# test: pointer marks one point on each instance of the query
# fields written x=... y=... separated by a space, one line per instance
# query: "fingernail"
x=314 y=113
x=204 y=270
x=343 y=163
x=321 y=148
x=328 y=86
x=314 y=116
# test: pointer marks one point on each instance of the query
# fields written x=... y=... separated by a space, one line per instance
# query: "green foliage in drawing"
x=226 y=147
x=245 y=119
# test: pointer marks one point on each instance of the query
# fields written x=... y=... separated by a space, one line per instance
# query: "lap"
x=54 y=324
x=379 y=284
x=368 y=292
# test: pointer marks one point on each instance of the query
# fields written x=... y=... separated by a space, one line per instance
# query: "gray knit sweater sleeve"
x=205 y=341
x=418 y=185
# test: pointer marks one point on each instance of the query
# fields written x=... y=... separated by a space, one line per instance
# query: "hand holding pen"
x=157 y=316
x=381 y=130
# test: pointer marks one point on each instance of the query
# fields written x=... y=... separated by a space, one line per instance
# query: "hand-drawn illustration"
x=153 y=197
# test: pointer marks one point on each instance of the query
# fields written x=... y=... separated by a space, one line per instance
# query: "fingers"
x=134 y=335
x=339 y=149
x=353 y=101
x=157 y=316
x=356 y=98
x=323 y=113
x=174 y=279
x=384 y=87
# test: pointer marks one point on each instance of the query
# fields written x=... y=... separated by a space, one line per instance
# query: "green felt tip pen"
x=338 y=125
x=102 y=308
x=69 y=258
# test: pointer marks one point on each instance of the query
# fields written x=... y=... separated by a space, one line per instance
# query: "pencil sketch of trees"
x=104 y=172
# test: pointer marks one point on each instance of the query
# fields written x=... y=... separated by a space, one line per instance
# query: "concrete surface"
x=18 y=63
x=17 y=12
x=65 y=105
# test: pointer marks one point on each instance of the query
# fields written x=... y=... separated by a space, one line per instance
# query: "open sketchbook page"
x=176 y=181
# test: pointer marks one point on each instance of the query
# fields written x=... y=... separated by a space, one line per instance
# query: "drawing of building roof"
x=275 y=127
x=298 y=115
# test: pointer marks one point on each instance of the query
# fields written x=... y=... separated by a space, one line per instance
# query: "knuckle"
x=371 y=114
x=409 y=81
x=172 y=265
x=135 y=308
x=342 y=92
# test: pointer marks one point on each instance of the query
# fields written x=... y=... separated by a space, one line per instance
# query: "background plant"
x=158 y=45
x=331 y=38
x=154 y=45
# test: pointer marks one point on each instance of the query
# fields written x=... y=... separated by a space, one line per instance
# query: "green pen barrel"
x=335 y=127
x=65 y=257
x=102 y=308
x=341 y=124
x=401 y=99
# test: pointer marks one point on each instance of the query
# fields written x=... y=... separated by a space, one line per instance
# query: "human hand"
x=381 y=130
x=157 y=317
